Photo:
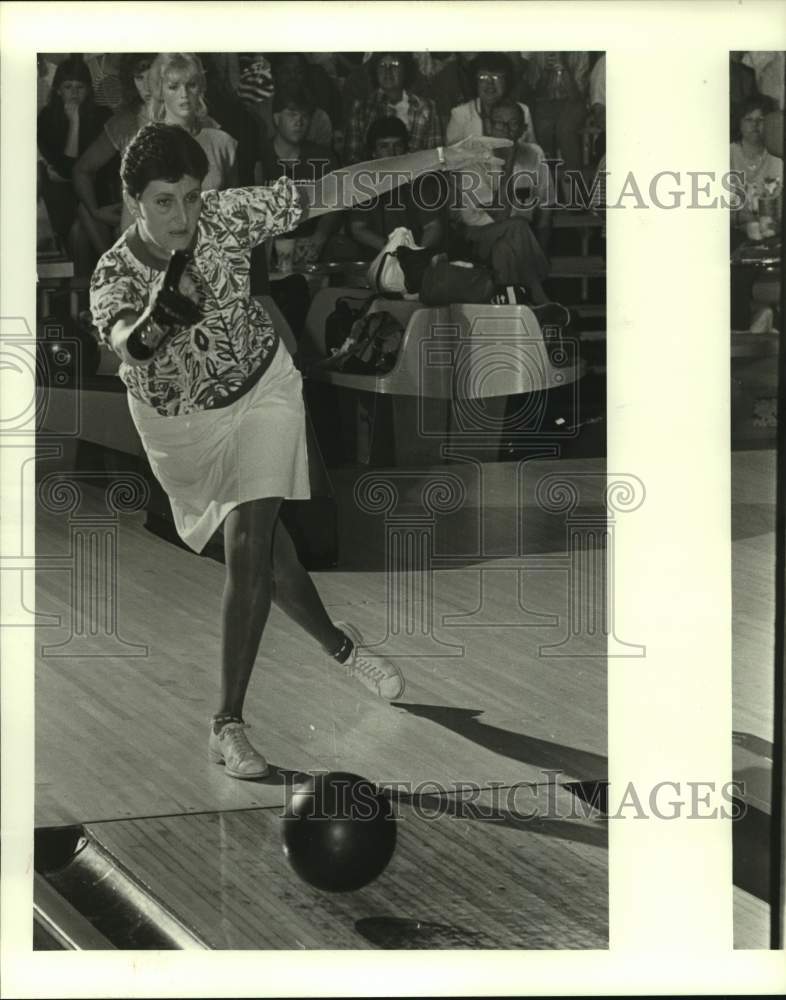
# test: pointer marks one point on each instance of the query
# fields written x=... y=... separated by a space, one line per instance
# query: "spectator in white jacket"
x=493 y=73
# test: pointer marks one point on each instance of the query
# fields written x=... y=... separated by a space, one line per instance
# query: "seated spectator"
x=393 y=73
x=493 y=75
x=293 y=71
x=761 y=182
x=290 y=154
x=417 y=206
x=100 y=219
x=289 y=72
x=758 y=216
x=558 y=83
x=529 y=181
x=177 y=87
x=496 y=222
x=66 y=126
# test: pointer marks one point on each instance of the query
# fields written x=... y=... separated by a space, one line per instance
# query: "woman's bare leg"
x=248 y=590
x=297 y=596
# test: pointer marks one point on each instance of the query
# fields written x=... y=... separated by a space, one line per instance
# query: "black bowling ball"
x=339 y=832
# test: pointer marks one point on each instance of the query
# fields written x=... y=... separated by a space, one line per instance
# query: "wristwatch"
x=443 y=163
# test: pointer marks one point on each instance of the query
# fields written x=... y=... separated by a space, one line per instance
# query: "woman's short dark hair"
x=131 y=65
x=73 y=68
x=407 y=66
x=161 y=152
x=494 y=62
x=756 y=102
x=386 y=128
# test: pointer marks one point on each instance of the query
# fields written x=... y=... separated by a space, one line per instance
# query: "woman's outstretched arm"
x=362 y=181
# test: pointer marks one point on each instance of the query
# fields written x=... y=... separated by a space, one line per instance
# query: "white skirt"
x=211 y=461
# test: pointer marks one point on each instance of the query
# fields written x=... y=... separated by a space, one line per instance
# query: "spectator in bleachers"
x=292 y=71
x=528 y=178
x=493 y=74
x=291 y=154
x=100 y=218
x=417 y=206
x=177 y=86
x=393 y=73
x=66 y=126
x=288 y=72
x=559 y=83
x=497 y=221
x=762 y=174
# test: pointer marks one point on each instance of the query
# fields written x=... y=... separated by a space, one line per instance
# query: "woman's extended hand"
x=476 y=151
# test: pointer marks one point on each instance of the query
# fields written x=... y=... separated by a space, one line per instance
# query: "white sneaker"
x=377 y=673
x=230 y=746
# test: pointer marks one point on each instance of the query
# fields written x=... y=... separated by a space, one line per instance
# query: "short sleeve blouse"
x=212 y=363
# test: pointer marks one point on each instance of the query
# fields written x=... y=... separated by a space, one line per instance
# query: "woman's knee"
x=248 y=541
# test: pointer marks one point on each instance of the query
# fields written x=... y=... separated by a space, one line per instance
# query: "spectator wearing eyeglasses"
x=493 y=73
x=393 y=73
x=497 y=217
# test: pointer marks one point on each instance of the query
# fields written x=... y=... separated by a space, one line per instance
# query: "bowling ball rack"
x=85 y=899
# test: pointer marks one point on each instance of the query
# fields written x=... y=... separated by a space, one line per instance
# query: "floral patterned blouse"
x=214 y=362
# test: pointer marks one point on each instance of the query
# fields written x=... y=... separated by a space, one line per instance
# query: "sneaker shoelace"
x=358 y=664
x=238 y=740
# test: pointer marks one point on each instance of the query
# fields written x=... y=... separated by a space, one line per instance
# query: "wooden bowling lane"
x=753 y=611
x=456 y=880
x=121 y=722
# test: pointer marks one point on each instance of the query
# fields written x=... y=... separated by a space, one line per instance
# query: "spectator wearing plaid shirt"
x=393 y=72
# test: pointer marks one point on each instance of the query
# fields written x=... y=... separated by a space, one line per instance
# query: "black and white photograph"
x=756 y=88
x=394 y=498
x=321 y=344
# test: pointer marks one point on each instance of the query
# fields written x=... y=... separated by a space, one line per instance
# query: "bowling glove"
x=168 y=311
